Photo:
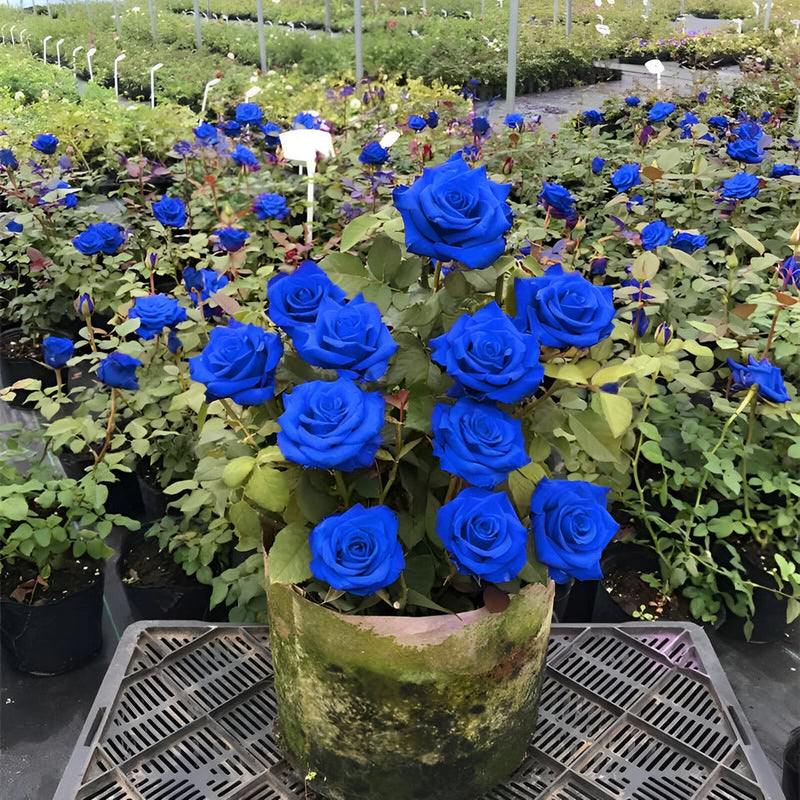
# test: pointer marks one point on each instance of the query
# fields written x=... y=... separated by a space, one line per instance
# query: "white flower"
x=355 y=104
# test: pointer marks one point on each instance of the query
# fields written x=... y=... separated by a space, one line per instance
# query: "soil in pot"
x=53 y=626
x=21 y=357
x=157 y=587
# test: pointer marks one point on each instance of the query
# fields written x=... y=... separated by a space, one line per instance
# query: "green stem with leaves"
x=229 y=410
x=98 y=457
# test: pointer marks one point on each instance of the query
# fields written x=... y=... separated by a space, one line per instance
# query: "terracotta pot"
x=407 y=708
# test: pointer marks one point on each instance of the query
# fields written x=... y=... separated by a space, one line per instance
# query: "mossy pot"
x=407 y=708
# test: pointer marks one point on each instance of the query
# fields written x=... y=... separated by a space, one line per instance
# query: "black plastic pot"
x=124 y=495
x=15 y=369
x=620 y=557
x=561 y=600
x=769 y=615
x=53 y=638
x=790 y=783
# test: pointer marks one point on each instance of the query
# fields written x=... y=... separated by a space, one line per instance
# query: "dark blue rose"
x=244 y=157
x=357 y=551
x=558 y=202
x=231 y=127
x=626 y=177
x=488 y=358
x=767 y=376
x=272 y=132
x=749 y=130
x=202 y=283
x=15 y=227
x=766 y=116
x=746 y=151
x=564 y=309
x=740 y=186
x=248 y=114
x=352 y=339
x=102 y=237
x=571 y=527
x=663 y=333
x=270 y=206
x=309 y=120
x=170 y=212
x=232 y=239
x=119 y=370
x=688 y=242
x=331 y=425
x=156 y=312
x=295 y=298
x=660 y=111
x=373 y=153
x=478 y=442
x=455 y=212
x=782 y=170
x=416 y=123
x=53 y=195
x=702 y=97
x=174 y=344
x=656 y=233
x=719 y=122
x=483 y=535
x=598 y=164
x=597 y=266
x=45 y=143
x=432 y=120
x=789 y=271
x=632 y=101
x=238 y=362
x=57 y=351
x=7 y=159
x=480 y=126
x=593 y=117
x=206 y=134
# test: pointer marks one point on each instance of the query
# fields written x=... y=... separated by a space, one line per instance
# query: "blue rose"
x=202 y=283
x=248 y=114
x=598 y=164
x=119 y=370
x=749 y=130
x=563 y=309
x=558 y=202
x=767 y=376
x=271 y=133
x=790 y=272
x=477 y=441
x=231 y=127
x=45 y=143
x=688 y=242
x=15 y=227
x=57 y=351
x=593 y=117
x=295 y=298
x=741 y=186
x=417 y=123
x=7 y=159
x=373 y=153
x=432 y=120
x=309 y=120
x=357 y=551
x=331 y=425
x=702 y=97
x=170 y=212
x=746 y=150
x=483 y=535
x=782 y=170
x=632 y=101
x=352 y=339
x=660 y=111
x=53 y=195
x=244 y=157
x=206 y=134
x=102 y=237
x=514 y=121
x=656 y=233
x=640 y=321
x=719 y=122
x=480 y=126
x=232 y=239
x=455 y=212
x=626 y=177
x=270 y=205
x=156 y=312
x=571 y=527
x=488 y=358
x=238 y=362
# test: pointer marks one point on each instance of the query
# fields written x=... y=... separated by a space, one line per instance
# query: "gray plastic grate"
x=628 y=712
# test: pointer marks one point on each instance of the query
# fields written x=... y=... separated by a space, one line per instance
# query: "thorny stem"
x=771 y=334
x=452 y=489
x=341 y=487
x=437 y=276
x=109 y=427
x=236 y=418
x=750 y=427
x=92 y=343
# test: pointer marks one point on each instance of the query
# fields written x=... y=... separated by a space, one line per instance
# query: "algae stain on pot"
x=399 y=708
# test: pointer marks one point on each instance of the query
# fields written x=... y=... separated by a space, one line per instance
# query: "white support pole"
x=89 y=53
x=2 y=28
x=74 y=62
x=555 y=12
x=327 y=16
x=359 y=52
x=153 y=71
x=12 y=34
x=117 y=23
x=212 y=82
x=262 y=41
x=152 y=12
x=511 y=73
x=58 y=51
x=88 y=12
x=44 y=48
x=767 y=12
x=569 y=17
x=119 y=58
x=198 y=36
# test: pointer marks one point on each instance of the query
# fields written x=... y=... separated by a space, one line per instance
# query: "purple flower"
x=598 y=264
x=644 y=136
x=45 y=143
x=768 y=377
x=232 y=239
x=182 y=147
x=270 y=205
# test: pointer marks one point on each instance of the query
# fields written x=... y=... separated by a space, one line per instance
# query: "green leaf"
x=384 y=258
x=42 y=536
x=290 y=555
x=357 y=229
x=246 y=523
x=652 y=452
x=650 y=431
x=419 y=574
x=618 y=412
x=15 y=508
x=237 y=471
x=410 y=363
x=417 y=599
x=313 y=496
x=683 y=258
x=751 y=240
x=645 y=266
x=347 y=271
x=419 y=409
x=269 y=488
x=588 y=428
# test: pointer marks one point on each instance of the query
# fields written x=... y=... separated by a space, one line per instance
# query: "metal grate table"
x=640 y=711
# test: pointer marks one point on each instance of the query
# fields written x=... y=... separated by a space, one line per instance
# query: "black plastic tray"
x=640 y=711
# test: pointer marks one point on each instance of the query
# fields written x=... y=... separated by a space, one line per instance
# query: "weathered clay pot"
x=407 y=708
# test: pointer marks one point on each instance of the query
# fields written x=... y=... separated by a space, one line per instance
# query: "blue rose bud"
x=663 y=333
x=598 y=264
x=7 y=159
x=57 y=351
x=632 y=101
x=432 y=120
x=119 y=370
x=84 y=305
x=598 y=164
